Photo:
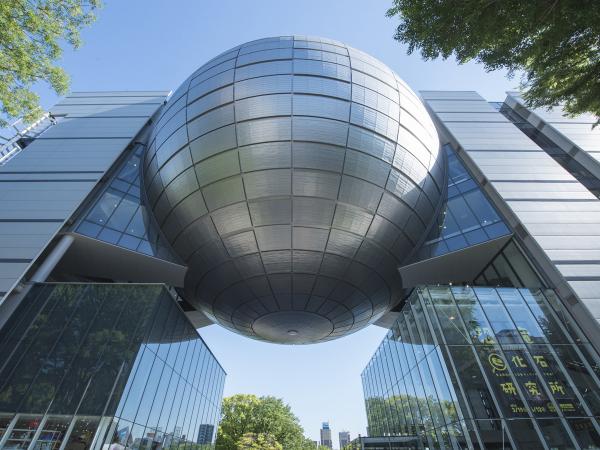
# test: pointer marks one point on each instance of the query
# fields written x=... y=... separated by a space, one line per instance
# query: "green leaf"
x=556 y=44
x=30 y=47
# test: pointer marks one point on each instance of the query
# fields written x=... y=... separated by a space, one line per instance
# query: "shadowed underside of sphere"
x=293 y=175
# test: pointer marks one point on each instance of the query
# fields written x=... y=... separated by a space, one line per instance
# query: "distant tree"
x=260 y=441
x=31 y=34
x=248 y=420
x=556 y=43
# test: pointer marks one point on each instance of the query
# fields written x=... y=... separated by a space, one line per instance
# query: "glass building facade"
x=98 y=366
x=489 y=368
x=466 y=218
x=119 y=216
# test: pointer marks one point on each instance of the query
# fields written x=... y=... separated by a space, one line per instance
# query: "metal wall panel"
x=576 y=136
x=44 y=184
x=558 y=212
x=293 y=182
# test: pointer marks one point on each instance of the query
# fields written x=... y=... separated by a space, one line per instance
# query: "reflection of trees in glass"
x=35 y=350
x=475 y=321
x=82 y=334
x=399 y=419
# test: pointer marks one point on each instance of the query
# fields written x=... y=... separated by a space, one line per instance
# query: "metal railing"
x=10 y=147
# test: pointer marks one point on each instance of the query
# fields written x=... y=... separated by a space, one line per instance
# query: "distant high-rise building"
x=205 y=433
x=344 y=438
x=326 y=435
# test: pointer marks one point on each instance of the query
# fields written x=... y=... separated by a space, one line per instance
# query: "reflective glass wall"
x=466 y=218
x=480 y=367
x=118 y=215
x=93 y=366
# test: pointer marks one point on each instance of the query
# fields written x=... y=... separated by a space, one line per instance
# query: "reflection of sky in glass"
x=467 y=218
x=118 y=216
x=505 y=357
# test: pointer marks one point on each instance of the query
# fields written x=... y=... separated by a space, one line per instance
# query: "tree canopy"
x=556 y=44
x=31 y=35
x=259 y=423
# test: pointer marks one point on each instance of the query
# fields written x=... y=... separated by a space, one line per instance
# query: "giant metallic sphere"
x=293 y=175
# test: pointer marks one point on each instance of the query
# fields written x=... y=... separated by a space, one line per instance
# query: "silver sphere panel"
x=293 y=175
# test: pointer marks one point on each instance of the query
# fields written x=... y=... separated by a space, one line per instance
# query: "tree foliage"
x=265 y=423
x=555 y=43
x=260 y=441
x=31 y=34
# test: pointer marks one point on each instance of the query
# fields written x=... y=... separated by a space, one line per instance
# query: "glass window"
x=168 y=405
x=182 y=355
x=456 y=171
x=131 y=400
x=581 y=377
x=190 y=418
x=150 y=391
x=473 y=316
x=439 y=248
x=130 y=171
x=446 y=398
x=110 y=236
x=105 y=207
x=524 y=320
x=555 y=434
x=531 y=387
x=56 y=364
x=121 y=435
x=466 y=186
x=135 y=437
x=129 y=242
x=456 y=242
x=555 y=306
x=89 y=352
x=586 y=432
x=53 y=433
x=119 y=365
x=417 y=401
x=22 y=433
x=496 y=230
x=504 y=386
x=482 y=208
x=65 y=300
x=89 y=229
x=472 y=380
x=123 y=213
x=544 y=316
x=120 y=185
x=506 y=271
x=137 y=227
x=476 y=236
x=176 y=346
x=415 y=338
x=462 y=213
x=449 y=225
x=83 y=433
x=497 y=315
x=525 y=434
x=5 y=420
x=521 y=266
x=406 y=344
x=431 y=395
x=449 y=318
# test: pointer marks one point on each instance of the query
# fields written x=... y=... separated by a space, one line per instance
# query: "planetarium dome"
x=293 y=175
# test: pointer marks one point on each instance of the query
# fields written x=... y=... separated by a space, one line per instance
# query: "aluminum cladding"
x=294 y=175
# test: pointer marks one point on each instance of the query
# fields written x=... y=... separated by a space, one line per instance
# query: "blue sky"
x=155 y=45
